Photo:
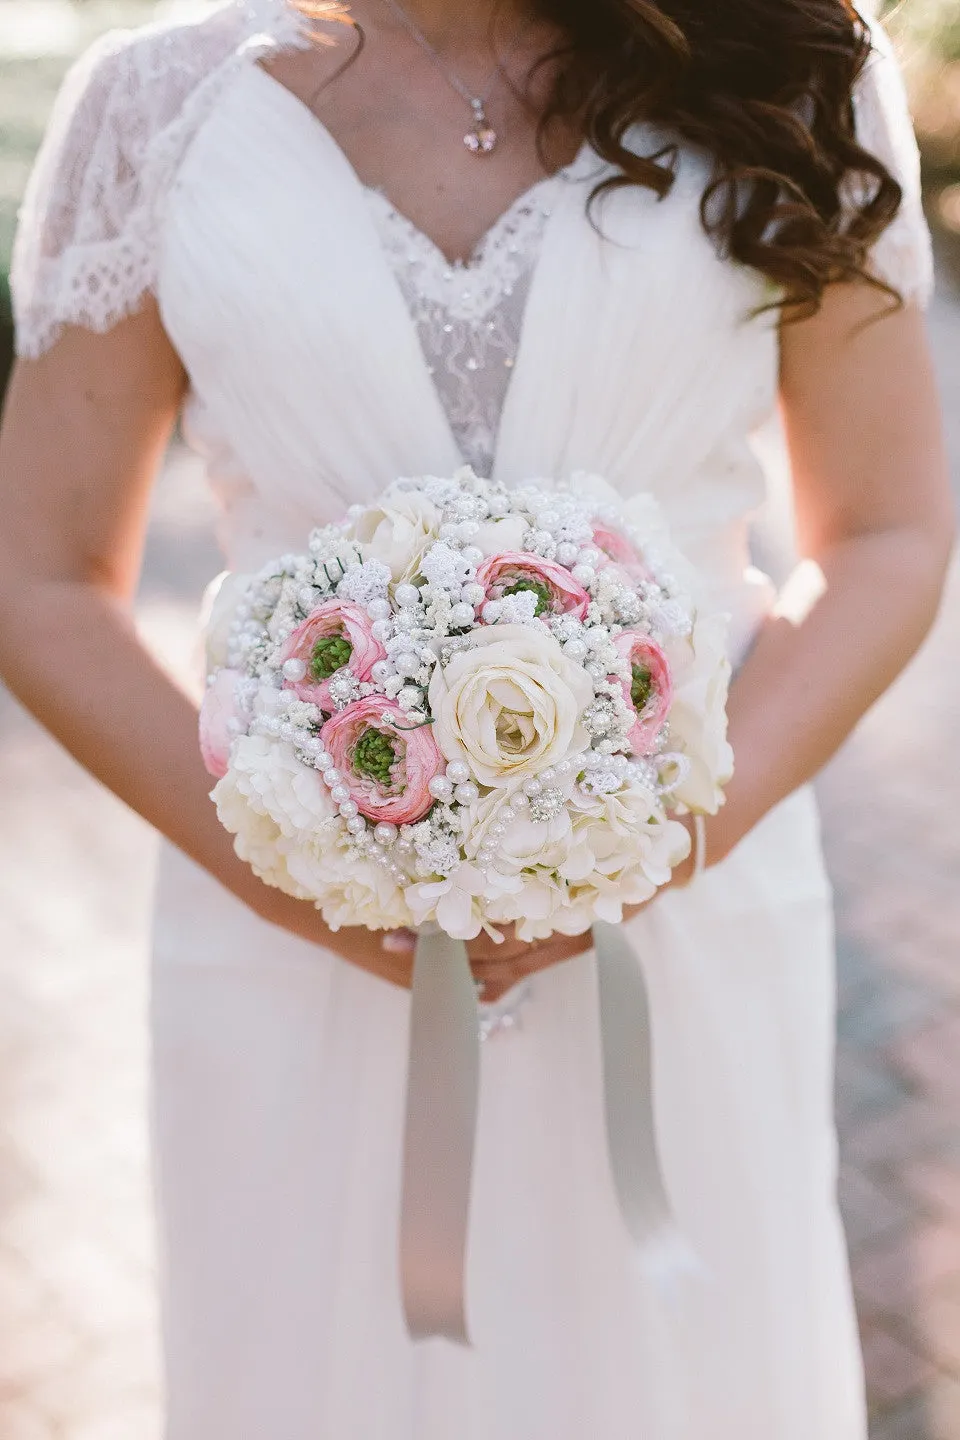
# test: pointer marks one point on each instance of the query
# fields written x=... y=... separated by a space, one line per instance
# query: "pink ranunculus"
x=221 y=720
x=387 y=763
x=337 y=634
x=622 y=552
x=554 y=586
x=650 y=676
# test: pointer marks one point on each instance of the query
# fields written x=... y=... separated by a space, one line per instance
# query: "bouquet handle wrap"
x=443 y=1089
x=442 y=1104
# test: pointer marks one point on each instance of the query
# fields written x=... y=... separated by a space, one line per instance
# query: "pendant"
x=482 y=138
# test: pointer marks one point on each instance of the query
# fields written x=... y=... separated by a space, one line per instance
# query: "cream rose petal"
x=510 y=705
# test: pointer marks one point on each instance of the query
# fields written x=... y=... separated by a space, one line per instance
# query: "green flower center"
x=641 y=687
x=329 y=655
x=535 y=587
x=374 y=756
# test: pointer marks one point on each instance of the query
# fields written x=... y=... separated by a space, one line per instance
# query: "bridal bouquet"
x=469 y=705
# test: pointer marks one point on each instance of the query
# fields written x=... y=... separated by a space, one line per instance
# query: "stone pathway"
x=77 y=1312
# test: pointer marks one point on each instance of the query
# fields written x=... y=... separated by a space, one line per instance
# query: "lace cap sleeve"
x=86 y=246
x=903 y=254
x=78 y=257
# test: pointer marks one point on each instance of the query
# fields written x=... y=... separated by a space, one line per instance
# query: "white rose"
x=279 y=785
x=397 y=531
x=348 y=889
x=698 y=715
x=510 y=705
x=626 y=840
x=220 y=601
x=257 y=839
x=527 y=843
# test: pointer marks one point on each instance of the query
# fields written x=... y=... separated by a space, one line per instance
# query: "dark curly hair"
x=764 y=87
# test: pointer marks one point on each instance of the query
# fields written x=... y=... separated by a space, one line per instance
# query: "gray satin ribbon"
x=443 y=1089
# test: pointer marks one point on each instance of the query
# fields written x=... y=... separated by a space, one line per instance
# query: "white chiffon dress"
x=329 y=348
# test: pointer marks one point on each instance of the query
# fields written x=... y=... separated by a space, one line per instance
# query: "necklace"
x=481 y=139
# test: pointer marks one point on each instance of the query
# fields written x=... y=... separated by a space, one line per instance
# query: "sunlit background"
x=77 y=1305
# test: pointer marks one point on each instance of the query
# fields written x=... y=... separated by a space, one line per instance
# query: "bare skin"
x=86 y=425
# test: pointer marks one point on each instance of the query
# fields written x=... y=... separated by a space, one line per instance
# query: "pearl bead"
x=321 y=759
x=567 y=553
x=407 y=596
x=466 y=794
x=584 y=574
x=382 y=671
x=381 y=629
x=473 y=595
x=357 y=825
x=332 y=777
x=506 y=816
x=385 y=833
x=467 y=529
x=472 y=555
x=458 y=771
x=378 y=609
x=461 y=614
x=349 y=808
x=519 y=801
x=564 y=767
x=497 y=831
x=294 y=670
x=532 y=788
x=547 y=776
x=407 y=663
x=576 y=649
x=590 y=556
x=339 y=794
x=441 y=788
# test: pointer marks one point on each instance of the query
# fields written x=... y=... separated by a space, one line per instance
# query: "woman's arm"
x=875 y=515
x=84 y=432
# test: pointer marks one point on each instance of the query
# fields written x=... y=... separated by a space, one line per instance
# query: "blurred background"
x=77 y=1305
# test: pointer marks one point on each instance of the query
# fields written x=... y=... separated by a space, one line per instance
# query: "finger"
x=398 y=942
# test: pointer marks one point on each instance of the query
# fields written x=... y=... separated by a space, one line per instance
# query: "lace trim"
x=468 y=290
x=86 y=246
x=469 y=316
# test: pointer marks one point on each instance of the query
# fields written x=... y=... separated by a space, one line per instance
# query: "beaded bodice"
x=469 y=316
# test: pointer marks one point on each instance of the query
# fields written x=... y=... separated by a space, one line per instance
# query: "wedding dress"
x=329 y=348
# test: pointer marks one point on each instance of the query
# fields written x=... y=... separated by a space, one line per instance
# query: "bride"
x=538 y=235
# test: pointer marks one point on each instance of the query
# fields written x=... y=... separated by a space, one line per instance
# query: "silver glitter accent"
x=546 y=806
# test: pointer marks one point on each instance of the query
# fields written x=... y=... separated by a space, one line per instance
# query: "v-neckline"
x=306 y=117
x=526 y=197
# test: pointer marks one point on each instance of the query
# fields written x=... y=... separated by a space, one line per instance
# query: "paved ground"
x=77 y=1348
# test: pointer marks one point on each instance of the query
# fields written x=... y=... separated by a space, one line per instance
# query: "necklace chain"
x=482 y=138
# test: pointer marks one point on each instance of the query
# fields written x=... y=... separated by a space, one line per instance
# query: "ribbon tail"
x=628 y=1102
x=443 y=1086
